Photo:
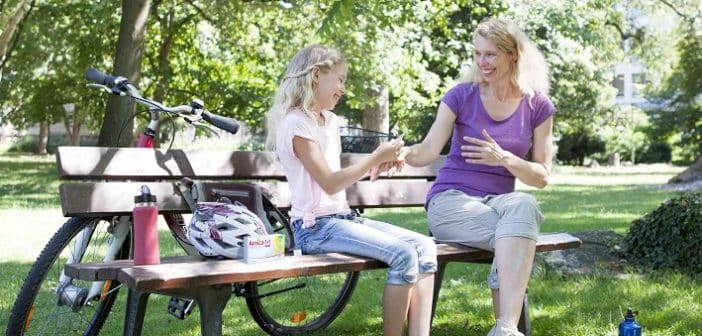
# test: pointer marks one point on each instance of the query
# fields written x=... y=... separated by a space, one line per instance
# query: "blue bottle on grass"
x=629 y=327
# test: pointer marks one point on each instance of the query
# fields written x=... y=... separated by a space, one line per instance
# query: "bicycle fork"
x=75 y=296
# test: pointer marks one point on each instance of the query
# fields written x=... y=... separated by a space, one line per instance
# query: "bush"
x=657 y=152
x=29 y=143
x=574 y=147
x=670 y=237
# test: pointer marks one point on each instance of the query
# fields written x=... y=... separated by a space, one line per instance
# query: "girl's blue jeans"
x=408 y=253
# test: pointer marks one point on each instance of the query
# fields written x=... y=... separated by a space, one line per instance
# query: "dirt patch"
x=601 y=253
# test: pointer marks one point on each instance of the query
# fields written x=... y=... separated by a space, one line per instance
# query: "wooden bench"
x=102 y=181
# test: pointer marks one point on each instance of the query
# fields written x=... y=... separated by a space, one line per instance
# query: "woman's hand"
x=486 y=152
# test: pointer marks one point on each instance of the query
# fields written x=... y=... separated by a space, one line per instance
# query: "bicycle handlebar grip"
x=98 y=77
x=228 y=124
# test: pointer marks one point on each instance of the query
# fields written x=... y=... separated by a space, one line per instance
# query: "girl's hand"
x=486 y=152
x=388 y=151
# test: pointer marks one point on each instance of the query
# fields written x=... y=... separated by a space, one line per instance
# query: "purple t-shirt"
x=513 y=134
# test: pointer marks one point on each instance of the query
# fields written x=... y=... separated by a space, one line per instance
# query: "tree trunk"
x=376 y=117
x=43 y=137
x=130 y=51
x=691 y=174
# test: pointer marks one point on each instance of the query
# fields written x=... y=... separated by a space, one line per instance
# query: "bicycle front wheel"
x=50 y=303
x=299 y=305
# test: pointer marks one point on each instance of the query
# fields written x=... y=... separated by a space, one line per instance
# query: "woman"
x=500 y=113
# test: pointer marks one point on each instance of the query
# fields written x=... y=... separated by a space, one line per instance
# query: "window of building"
x=619 y=84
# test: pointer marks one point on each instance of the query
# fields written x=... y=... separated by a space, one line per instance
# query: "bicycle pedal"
x=180 y=308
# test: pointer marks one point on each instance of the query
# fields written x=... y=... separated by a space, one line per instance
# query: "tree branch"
x=7 y=52
x=624 y=35
x=681 y=14
x=201 y=12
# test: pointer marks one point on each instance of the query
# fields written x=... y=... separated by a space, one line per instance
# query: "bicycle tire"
x=306 y=303
x=300 y=304
x=36 y=310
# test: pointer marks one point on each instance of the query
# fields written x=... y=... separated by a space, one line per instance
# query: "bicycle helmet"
x=218 y=229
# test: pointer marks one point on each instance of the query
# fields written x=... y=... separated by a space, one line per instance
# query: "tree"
x=46 y=69
x=679 y=97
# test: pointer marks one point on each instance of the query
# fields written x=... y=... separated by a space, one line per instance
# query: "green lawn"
x=579 y=199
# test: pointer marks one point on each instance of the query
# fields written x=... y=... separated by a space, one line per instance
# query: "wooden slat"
x=117 y=198
x=100 y=271
x=91 y=163
x=145 y=164
x=191 y=271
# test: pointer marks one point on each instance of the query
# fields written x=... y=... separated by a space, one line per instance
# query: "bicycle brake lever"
x=106 y=89
x=211 y=129
x=99 y=86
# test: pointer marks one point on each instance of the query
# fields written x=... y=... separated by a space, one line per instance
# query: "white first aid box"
x=264 y=248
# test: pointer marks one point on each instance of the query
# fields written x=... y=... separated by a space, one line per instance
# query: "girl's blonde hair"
x=296 y=90
x=531 y=73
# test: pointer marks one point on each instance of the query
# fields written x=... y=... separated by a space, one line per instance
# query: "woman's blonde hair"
x=531 y=73
x=296 y=90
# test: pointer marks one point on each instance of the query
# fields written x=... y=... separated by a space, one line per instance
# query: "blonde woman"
x=496 y=117
x=305 y=134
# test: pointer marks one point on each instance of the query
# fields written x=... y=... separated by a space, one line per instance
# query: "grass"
x=580 y=199
x=28 y=182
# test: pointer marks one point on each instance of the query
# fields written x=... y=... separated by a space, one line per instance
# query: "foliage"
x=625 y=132
x=658 y=151
x=581 y=48
x=231 y=55
x=574 y=147
x=680 y=96
x=417 y=50
x=676 y=95
x=670 y=236
x=29 y=144
x=60 y=40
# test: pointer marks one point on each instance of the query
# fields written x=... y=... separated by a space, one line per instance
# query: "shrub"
x=670 y=237
x=574 y=147
x=658 y=151
x=29 y=143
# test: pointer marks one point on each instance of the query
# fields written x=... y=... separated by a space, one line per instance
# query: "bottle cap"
x=629 y=313
x=145 y=197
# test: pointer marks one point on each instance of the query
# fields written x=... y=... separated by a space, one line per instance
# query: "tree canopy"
x=231 y=55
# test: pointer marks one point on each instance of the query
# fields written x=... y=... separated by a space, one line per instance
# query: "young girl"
x=305 y=134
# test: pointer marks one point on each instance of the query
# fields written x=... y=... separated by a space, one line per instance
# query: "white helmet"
x=218 y=229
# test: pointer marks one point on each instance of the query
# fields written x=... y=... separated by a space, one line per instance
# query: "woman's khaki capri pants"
x=478 y=221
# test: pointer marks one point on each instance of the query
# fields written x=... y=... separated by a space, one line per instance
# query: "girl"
x=305 y=134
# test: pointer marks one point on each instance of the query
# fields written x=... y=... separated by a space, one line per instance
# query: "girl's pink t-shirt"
x=308 y=199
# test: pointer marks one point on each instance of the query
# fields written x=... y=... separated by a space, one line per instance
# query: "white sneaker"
x=503 y=329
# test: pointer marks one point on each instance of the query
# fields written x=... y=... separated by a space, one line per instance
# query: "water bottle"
x=629 y=327
x=145 y=216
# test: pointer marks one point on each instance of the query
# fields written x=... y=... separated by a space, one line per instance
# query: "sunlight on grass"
x=578 y=199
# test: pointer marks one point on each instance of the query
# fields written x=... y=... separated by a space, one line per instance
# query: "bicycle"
x=49 y=302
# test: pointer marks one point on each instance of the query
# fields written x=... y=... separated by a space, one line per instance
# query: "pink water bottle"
x=145 y=216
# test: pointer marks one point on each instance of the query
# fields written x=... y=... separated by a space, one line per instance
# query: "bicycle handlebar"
x=98 y=77
x=121 y=86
